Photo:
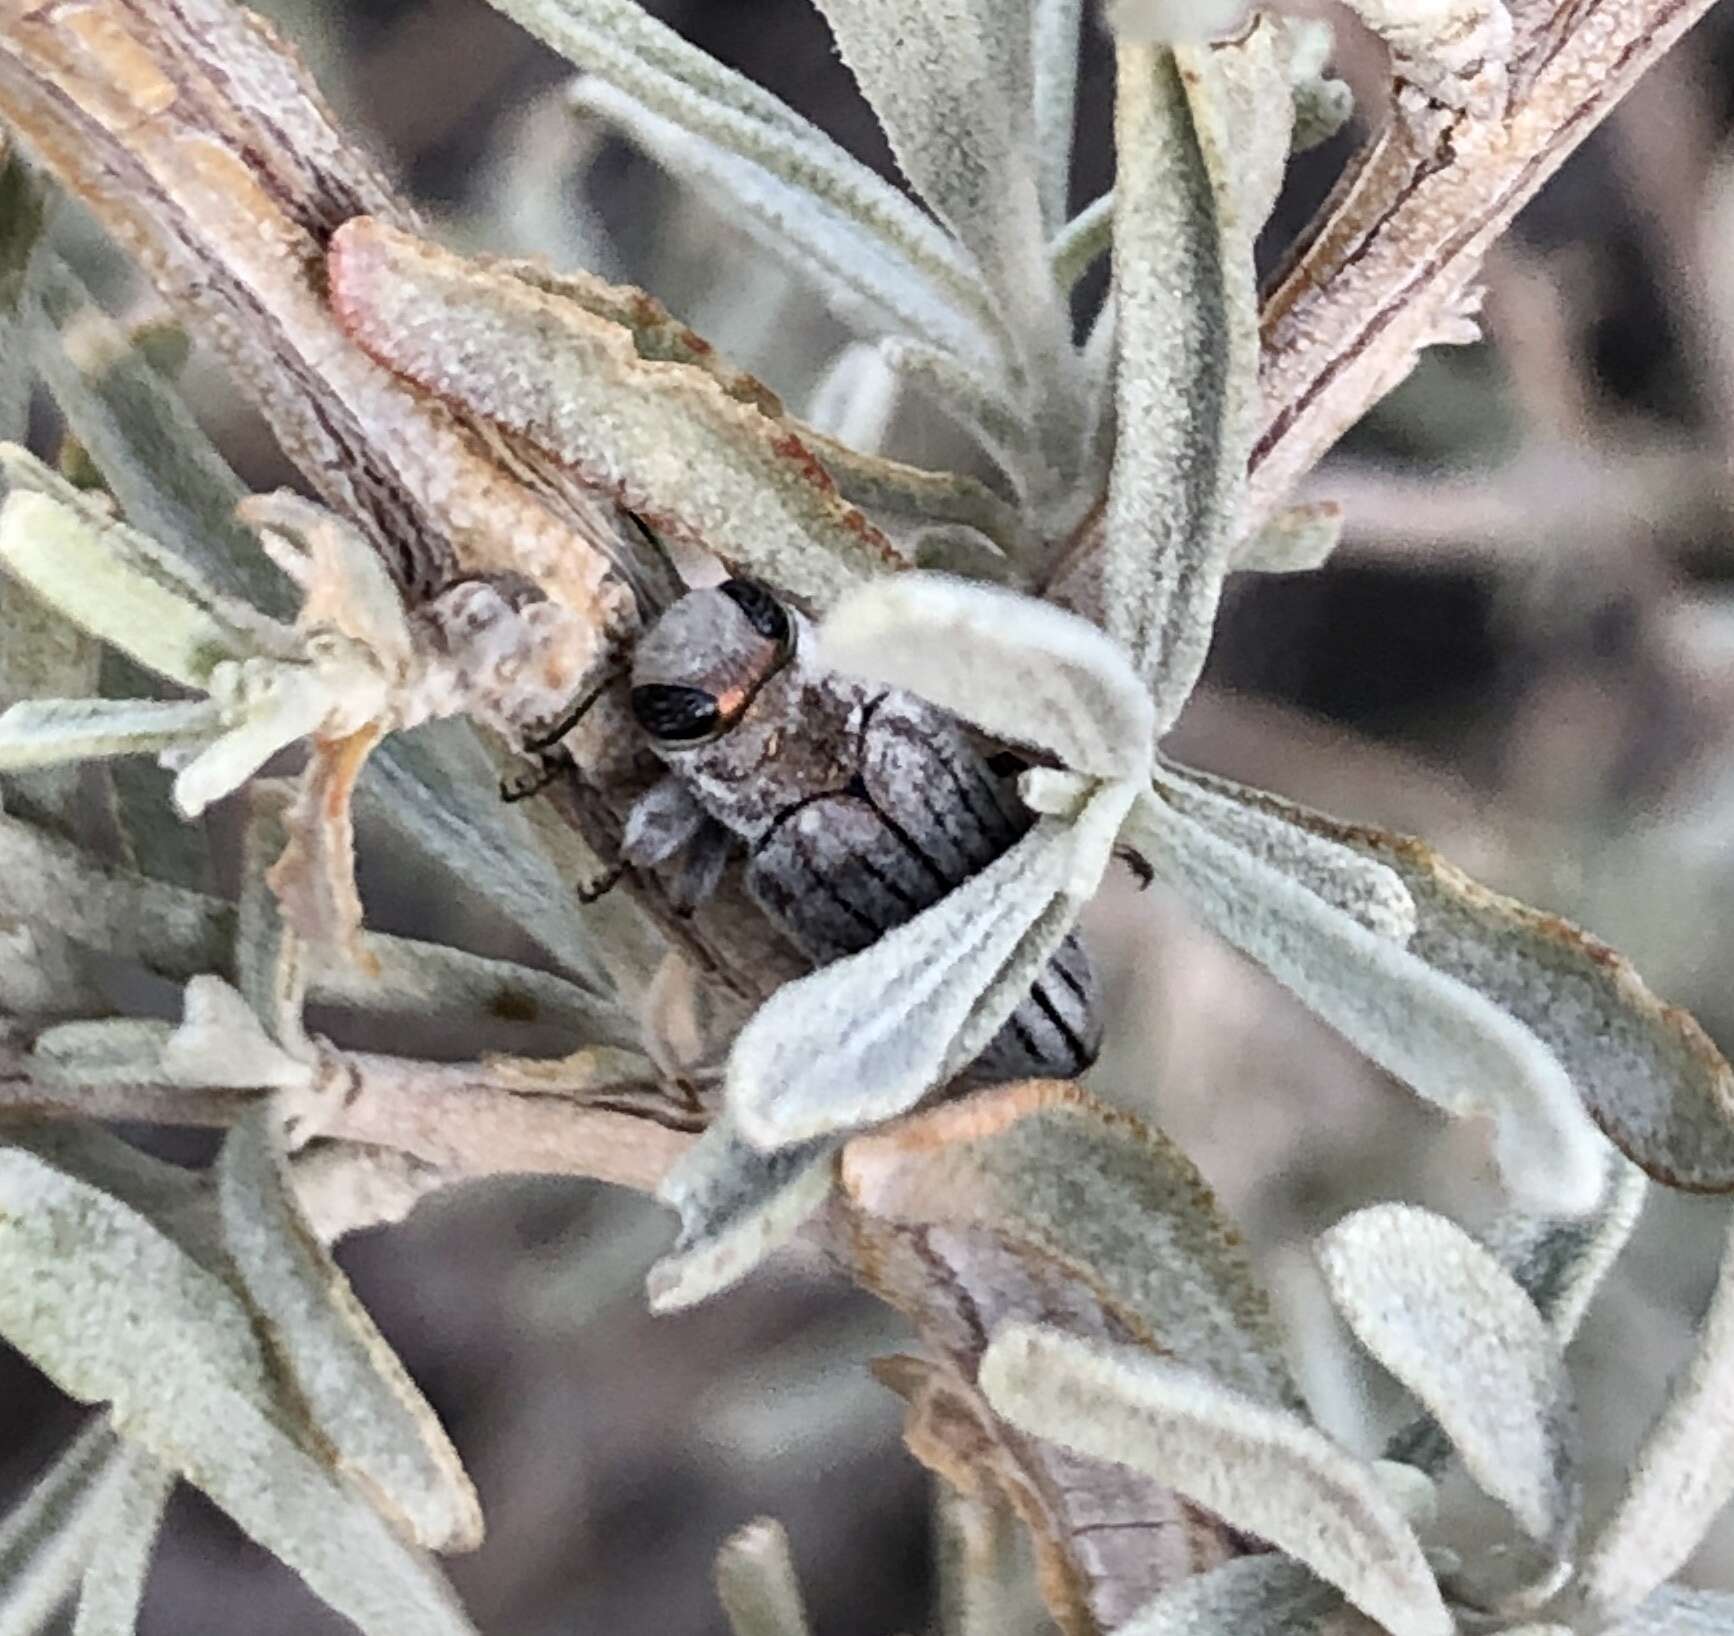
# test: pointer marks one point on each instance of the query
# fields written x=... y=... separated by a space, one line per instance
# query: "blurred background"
x=1524 y=652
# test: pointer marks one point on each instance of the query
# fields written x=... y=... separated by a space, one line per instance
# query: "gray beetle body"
x=859 y=805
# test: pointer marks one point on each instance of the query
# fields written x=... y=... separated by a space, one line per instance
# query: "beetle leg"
x=663 y=820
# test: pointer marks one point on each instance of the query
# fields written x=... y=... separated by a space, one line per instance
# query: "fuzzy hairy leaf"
x=359 y=1398
x=1343 y=878
x=114 y=1312
x=1458 y=1331
x=71 y=562
x=649 y=63
x=46 y=1538
x=1108 y=1198
x=1254 y=1596
x=1682 y=1476
x=125 y=1527
x=51 y=732
x=671 y=442
x=871 y=281
x=1262 y=1469
x=153 y=456
x=737 y=1205
x=756 y=1583
x=1295 y=540
x=1019 y=669
x=865 y=1038
x=1435 y=1032
x=1189 y=200
x=1672 y=1611
x=1054 y=56
x=1646 y=1071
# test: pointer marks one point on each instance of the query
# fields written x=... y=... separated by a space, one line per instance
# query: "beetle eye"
x=675 y=714
x=764 y=613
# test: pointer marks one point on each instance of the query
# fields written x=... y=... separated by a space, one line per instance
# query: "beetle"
x=858 y=805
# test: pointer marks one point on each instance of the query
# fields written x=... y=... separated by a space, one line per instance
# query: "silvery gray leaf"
x=1054 y=54
x=1437 y=1034
x=756 y=1582
x=1441 y=1314
x=1671 y=1611
x=992 y=415
x=125 y=1526
x=113 y=1311
x=1681 y=1477
x=1369 y=892
x=1295 y=540
x=1087 y=237
x=983 y=1561
x=205 y=623
x=1020 y=669
x=70 y=562
x=865 y=1038
x=21 y=220
x=1260 y=1468
x=680 y=86
x=357 y=1396
x=737 y=1205
x=1191 y=194
x=1254 y=1596
x=152 y=454
x=1649 y=1075
x=46 y=1538
x=954 y=91
x=676 y=441
x=870 y=281
x=439 y=789
x=1042 y=1166
x=49 y=732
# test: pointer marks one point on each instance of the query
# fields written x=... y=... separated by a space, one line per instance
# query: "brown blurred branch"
x=1392 y=267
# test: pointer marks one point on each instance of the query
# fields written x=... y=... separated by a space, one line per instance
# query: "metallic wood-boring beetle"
x=859 y=805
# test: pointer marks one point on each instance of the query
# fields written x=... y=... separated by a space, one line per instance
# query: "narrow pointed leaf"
x=867 y=1037
x=1646 y=1071
x=1342 y=877
x=357 y=1395
x=1269 y=1595
x=154 y=457
x=1672 y=1611
x=1189 y=201
x=113 y=1311
x=48 y=732
x=954 y=91
x=868 y=282
x=126 y=1526
x=1105 y=1196
x=71 y=564
x=1433 y=1031
x=617 y=41
x=756 y=1583
x=1262 y=1469
x=1682 y=1476
x=1295 y=540
x=1055 y=50
x=737 y=1205
x=669 y=441
x=1083 y=241
x=1459 y=1332
x=45 y=1539
x=1019 y=669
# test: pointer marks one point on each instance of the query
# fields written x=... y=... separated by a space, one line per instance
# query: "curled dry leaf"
x=669 y=441
x=1458 y=1331
x=1264 y=1469
x=357 y=1396
x=944 y=1224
